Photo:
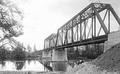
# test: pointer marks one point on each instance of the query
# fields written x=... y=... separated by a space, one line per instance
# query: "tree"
x=29 y=48
x=19 y=53
x=34 y=48
x=10 y=24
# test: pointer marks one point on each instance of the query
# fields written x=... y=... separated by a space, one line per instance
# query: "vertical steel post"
x=66 y=40
x=80 y=29
x=84 y=29
x=77 y=32
x=94 y=25
x=72 y=32
x=109 y=21
x=57 y=38
x=62 y=37
x=49 y=42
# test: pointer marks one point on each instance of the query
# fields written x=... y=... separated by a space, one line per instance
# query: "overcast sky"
x=44 y=17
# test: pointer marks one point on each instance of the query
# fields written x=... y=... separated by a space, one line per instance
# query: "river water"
x=33 y=65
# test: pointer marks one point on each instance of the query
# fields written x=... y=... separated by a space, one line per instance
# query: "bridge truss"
x=90 y=26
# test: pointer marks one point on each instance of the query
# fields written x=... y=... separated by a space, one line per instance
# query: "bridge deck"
x=94 y=40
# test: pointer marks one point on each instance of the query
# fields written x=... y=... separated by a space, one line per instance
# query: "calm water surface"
x=21 y=66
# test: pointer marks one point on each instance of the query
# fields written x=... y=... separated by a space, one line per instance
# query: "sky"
x=44 y=17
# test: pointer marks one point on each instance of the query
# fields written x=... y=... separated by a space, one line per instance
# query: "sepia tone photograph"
x=59 y=36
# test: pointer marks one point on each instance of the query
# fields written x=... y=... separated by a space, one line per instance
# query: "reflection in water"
x=19 y=64
x=29 y=61
x=32 y=65
x=2 y=63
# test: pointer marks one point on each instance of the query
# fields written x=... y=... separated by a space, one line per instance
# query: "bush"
x=3 y=53
x=18 y=54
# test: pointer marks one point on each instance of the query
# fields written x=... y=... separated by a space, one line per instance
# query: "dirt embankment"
x=110 y=60
x=107 y=63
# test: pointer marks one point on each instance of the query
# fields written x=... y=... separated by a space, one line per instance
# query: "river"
x=33 y=65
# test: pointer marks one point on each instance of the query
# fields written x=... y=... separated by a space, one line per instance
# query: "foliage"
x=18 y=53
x=90 y=52
x=9 y=13
x=93 y=52
x=4 y=54
x=10 y=24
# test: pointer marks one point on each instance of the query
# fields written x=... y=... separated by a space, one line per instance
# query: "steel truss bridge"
x=90 y=26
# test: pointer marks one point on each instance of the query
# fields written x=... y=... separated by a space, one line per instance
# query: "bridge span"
x=92 y=28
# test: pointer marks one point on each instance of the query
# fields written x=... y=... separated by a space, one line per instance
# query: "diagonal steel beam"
x=114 y=14
x=101 y=21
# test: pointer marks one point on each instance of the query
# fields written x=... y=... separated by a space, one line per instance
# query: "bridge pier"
x=46 y=58
x=59 y=58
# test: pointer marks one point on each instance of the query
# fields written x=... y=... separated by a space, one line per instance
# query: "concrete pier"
x=59 y=58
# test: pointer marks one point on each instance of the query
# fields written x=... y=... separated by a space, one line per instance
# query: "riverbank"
x=107 y=63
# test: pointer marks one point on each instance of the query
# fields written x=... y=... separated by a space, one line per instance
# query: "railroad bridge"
x=95 y=28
